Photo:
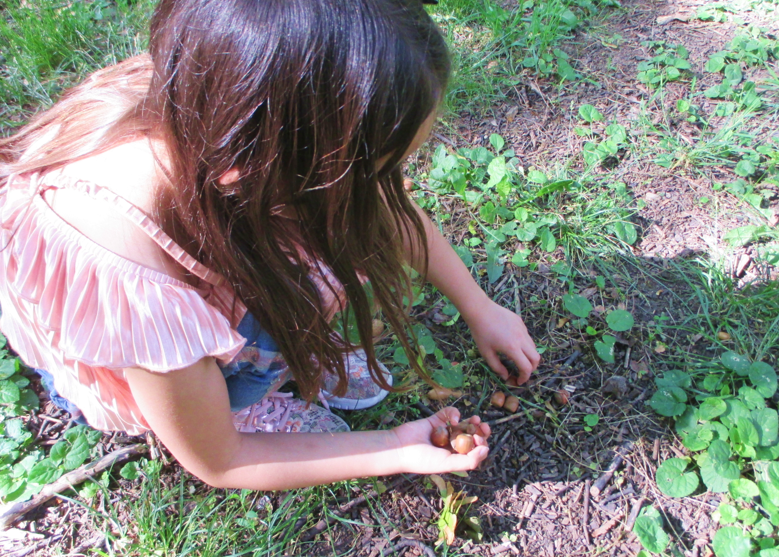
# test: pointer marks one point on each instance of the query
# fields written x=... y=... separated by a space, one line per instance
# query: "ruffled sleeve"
x=85 y=314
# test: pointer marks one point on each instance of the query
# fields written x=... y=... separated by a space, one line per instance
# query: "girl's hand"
x=499 y=330
x=418 y=455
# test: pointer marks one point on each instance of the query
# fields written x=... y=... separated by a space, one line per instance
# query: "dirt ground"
x=536 y=492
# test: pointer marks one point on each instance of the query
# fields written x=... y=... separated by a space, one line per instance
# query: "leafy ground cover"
x=608 y=170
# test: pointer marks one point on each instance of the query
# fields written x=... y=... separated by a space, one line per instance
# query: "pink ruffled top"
x=85 y=314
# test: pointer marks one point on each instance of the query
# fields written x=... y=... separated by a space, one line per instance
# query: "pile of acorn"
x=458 y=438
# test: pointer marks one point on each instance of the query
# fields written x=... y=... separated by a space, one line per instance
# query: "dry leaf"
x=639 y=367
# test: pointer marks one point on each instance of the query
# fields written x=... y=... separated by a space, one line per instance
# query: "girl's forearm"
x=309 y=459
x=448 y=273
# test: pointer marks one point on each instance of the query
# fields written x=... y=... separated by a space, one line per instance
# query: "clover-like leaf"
x=674 y=378
x=743 y=488
x=620 y=320
x=730 y=541
x=747 y=432
x=673 y=481
x=735 y=362
x=728 y=514
x=763 y=377
x=668 y=401
x=578 y=305
x=711 y=408
x=589 y=113
x=9 y=392
x=7 y=369
x=766 y=421
x=649 y=529
x=736 y=410
x=605 y=349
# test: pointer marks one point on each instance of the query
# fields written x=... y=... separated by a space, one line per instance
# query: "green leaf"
x=727 y=513
x=578 y=305
x=465 y=255
x=730 y=541
x=60 y=448
x=537 y=177
x=494 y=264
x=44 y=472
x=674 y=378
x=736 y=410
x=719 y=453
x=699 y=438
x=620 y=320
x=763 y=377
x=589 y=113
x=9 y=392
x=7 y=368
x=626 y=232
x=497 y=170
x=673 y=481
x=735 y=362
x=547 y=240
x=711 y=408
x=78 y=453
x=733 y=74
x=668 y=401
x=751 y=398
x=497 y=142
x=747 y=432
x=766 y=422
x=649 y=529
x=605 y=348
x=129 y=471
x=718 y=477
x=449 y=376
x=715 y=64
x=745 y=168
x=743 y=235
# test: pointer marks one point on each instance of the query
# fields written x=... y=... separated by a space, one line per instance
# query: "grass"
x=573 y=218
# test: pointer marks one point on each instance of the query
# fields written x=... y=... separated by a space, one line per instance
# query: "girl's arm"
x=495 y=328
x=189 y=411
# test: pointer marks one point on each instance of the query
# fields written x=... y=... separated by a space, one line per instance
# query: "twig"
x=408 y=543
x=612 y=497
x=601 y=482
x=425 y=410
x=571 y=359
x=634 y=514
x=14 y=511
x=505 y=419
x=656 y=449
x=608 y=525
x=586 y=514
x=560 y=492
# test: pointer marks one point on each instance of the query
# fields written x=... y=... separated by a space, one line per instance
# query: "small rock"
x=616 y=385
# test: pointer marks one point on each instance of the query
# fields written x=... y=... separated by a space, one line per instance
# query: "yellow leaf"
x=439 y=482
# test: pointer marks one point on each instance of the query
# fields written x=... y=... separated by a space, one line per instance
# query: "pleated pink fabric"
x=84 y=313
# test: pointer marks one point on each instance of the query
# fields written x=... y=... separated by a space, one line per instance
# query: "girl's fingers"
x=496 y=365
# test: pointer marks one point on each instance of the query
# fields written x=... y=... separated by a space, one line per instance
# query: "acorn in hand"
x=458 y=438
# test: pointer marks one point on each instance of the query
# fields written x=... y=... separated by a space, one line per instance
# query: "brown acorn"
x=463 y=443
x=464 y=427
x=561 y=397
x=440 y=437
x=377 y=327
x=498 y=399
x=511 y=404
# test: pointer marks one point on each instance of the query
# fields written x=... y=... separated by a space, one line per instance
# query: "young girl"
x=179 y=231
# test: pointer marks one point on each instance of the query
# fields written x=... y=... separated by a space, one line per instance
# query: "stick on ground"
x=14 y=511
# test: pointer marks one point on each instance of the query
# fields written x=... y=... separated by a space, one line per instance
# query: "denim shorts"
x=257 y=370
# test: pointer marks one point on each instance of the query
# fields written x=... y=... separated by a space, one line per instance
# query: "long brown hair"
x=303 y=98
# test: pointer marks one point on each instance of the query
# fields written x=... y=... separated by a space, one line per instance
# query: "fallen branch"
x=608 y=525
x=14 y=511
x=586 y=514
x=634 y=514
x=601 y=482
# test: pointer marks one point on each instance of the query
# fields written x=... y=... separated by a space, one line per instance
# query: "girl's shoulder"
x=131 y=172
